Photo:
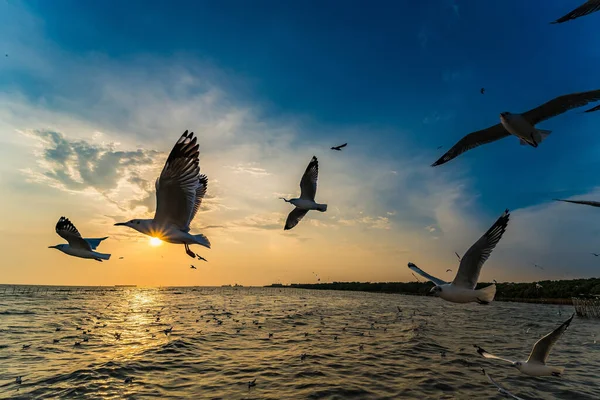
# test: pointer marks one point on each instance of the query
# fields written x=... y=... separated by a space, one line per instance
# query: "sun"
x=154 y=241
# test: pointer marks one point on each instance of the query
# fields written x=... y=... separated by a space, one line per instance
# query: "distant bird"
x=58 y=328
x=306 y=202
x=462 y=289
x=26 y=346
x=595 y=254
x=482 y=91
x=521 y=125
x=302 y=356
x=167 y=331
x=19 y=380
x=536 y=363
x=117 y=335
x=270 y=335
x=202 y=258
x=129 y=379
x=340 y=147
x=252 y=383
x=501 y=390
x=77 y=344
x=593 y=109
x=56 y=341
x=78 y=246
x=448 y=270
x=584 y=202
x=192 y=267
x=361 y=347
x=537 y=266
x=120 y=258
x=180 y=189
x=588 y=7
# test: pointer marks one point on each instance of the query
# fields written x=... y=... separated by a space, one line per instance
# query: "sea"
x=279 y=343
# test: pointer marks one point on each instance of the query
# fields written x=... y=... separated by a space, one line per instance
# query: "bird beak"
x=121 y=224
x=52 y=247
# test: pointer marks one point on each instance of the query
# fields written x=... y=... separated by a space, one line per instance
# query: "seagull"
x=596 y=254
x=306 y=202
x=252 y=383
x=129 y=379
x=78 y=246
x=520 y=125
x=462 y=289
x=192 y=267
x=482 y=90
x=501 y=390
x=586 y=8
x=448 y=270
x=536 y=363
x=180 y=189
x=202 y=258
x=584 y=202
x=593 y=109
x=340 y=147
x=19 y=380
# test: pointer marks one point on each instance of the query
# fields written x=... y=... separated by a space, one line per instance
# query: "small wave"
x=17 y=312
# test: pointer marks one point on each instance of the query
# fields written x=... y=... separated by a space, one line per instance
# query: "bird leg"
x=189 y=252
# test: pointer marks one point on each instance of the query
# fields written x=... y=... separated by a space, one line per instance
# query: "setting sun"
x=154 y=241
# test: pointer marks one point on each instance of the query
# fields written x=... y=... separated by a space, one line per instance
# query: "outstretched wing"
x=294 y=217
x=584 y=202
x=586 y=8
x=308 y=184
x=485 y=354
x=541 y=348
x=593 y=109
x=67 y=231
x=94 y=243
x=560 y=105
x=471 y=263
x=424 y=274
x=200 y=192
x=177 y=186
x=473 y=140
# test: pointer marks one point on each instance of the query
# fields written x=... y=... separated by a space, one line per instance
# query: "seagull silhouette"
x=340 y=147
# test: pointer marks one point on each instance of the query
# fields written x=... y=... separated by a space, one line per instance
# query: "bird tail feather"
x=322 y=207
x=202 y=240
x=542 y=134
x=487 y=293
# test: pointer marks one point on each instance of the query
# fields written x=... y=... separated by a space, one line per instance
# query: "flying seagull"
x=340 y=147
x=462 y=289
x=448 y=270
x=596 y=254
x=584 y=202
x=521 y=125
x=78 y=246
x=306 y=202
x=192 y=267
x=593 y=109
x=180 y=189
x=202 y=258
x=536 y=363
x=586 y=8
x=482 y=91
x=501 y=390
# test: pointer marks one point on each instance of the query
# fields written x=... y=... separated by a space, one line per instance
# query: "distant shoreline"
x=543 y=292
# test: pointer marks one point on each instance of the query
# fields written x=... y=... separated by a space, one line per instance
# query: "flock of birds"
x=181 y=187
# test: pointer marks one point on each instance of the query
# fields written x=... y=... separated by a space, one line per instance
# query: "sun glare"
x=155 y=241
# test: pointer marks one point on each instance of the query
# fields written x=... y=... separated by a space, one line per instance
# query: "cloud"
x=81 y=166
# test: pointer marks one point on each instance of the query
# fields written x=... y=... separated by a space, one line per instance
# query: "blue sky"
x=395 y=79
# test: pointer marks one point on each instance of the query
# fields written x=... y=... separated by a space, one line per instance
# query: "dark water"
x=401 y=357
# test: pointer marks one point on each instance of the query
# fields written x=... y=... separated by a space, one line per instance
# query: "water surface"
x=220 y=341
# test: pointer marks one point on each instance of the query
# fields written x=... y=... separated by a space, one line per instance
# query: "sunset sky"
x=93 y=95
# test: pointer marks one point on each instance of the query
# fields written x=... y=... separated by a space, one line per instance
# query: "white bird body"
x=170 y=233
x=457 y=294
x=518 y=126
x=82 y=253
x=533 y=368
x=305 y=204
x=180 y=189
